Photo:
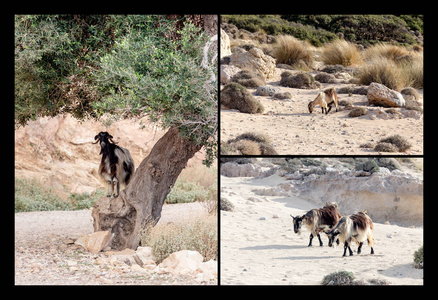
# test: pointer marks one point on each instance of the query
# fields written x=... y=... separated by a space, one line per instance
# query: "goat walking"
x=357 y=227
x=325 y=100
x=116 y=166
x=317 y=220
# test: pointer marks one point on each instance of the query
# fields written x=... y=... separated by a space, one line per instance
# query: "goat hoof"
x=109 y=196
x=115 y=196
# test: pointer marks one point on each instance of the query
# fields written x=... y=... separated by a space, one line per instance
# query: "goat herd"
x=357 y=227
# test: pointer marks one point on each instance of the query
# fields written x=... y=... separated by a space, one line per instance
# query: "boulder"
x=380 y=95
x=227 y=72
x=183 y=262
x=267 y=91
x=94 y=242
x=254 y=60
x=225 y=44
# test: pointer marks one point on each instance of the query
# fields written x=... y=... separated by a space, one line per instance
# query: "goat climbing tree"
x=164 y=67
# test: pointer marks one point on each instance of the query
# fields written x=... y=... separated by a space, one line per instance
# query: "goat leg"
x=311 y=238
x=320 y=242
x=359 y=249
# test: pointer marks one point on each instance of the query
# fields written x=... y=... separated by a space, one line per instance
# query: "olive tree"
x=161 y=67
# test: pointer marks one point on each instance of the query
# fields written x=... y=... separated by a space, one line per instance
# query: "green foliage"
x=54 y=55
x=418 y=258
x=118 y=65
x=31 y=195
x=365 y=29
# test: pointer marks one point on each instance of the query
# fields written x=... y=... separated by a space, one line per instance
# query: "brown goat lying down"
x=317 y=220
x=357 y=227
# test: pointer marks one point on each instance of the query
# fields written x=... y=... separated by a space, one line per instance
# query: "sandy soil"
x=45 y=255
x=294 y=131
x=258 y=245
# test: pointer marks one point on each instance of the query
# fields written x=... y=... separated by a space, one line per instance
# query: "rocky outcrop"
x=380 y=95
x=254 y=60
x=227 y=72
x=394 y=196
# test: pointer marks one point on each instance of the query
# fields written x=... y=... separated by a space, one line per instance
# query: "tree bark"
x=142 y=200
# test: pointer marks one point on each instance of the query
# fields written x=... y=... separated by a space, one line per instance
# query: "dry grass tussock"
x=341 y=52
x=291 y=51
x=196 y=234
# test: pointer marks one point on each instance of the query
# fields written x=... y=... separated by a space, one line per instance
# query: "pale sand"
x=268 y=252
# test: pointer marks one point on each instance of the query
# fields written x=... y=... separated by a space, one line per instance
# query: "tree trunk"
x=142 y=200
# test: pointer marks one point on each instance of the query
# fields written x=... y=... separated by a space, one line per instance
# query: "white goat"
x=357 y=227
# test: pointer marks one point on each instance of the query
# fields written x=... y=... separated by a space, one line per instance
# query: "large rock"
x=94 y=242
x=380 y=95
x=254 y=60
x=225 y=44
x=227 y=72
x=183 y=262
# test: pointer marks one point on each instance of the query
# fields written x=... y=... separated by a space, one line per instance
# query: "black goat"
x=116 y=165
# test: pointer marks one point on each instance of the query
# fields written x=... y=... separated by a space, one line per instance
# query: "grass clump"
x=291 y=51
x=198 y=234
x=340 y=52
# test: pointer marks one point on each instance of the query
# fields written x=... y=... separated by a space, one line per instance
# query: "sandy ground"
x=258 y=245
x=44 y=255
x=294 y=131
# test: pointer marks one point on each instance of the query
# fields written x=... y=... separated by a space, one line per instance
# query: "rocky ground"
x=45 y=254
x=293 y=130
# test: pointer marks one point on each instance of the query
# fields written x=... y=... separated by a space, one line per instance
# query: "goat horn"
x=113 y=141
x=97 y=139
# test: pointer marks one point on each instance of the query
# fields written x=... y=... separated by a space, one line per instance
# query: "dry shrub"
x=249 y=79
x=235 y=96
x=197 y=234
x=359 y=111
x=291 y=51
x=385 y=147
x=383 y=71
x=401 y=143
x=250 y=143
x=340 y=52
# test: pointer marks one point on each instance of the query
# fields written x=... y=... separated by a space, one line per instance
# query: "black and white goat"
x=116 y=165
x=357 y=227
x=317 y=220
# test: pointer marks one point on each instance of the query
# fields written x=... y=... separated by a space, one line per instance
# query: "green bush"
x=186 y=192
x=418 y=258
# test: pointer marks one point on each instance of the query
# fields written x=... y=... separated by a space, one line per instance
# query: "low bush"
x=398 y=141
x=339 y=278
x=236 y=96
x=198 y=234
x=359 y=111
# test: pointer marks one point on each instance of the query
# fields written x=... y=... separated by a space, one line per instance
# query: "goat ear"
x=110 y=136
x=96 y=137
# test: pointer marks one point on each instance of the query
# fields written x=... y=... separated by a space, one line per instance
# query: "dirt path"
x=258 y=245
x=45 y=255
x=293 y=130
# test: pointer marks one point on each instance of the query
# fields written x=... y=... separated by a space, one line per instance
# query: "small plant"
x=339 y=278
x=418 y=258
x=359 y=111
x=401 y=143
x=237 y=96
x=198 y=234
x=291 y=51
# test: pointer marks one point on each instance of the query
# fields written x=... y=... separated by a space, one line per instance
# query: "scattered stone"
x=94 y=242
